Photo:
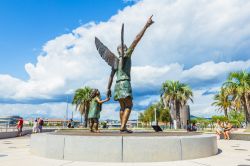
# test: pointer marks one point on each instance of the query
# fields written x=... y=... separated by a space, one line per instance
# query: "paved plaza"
x=16 y=151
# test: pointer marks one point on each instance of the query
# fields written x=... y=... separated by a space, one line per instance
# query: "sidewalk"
x=15 y=151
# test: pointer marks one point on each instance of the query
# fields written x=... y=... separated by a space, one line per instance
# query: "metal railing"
x=8 y=128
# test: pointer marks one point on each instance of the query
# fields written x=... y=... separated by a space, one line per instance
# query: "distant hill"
x=194 y=117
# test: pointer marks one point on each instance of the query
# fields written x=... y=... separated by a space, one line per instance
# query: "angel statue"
x=121 y=67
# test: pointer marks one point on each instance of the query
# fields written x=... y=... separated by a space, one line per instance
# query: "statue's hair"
x=94 y=93
x=120 y=46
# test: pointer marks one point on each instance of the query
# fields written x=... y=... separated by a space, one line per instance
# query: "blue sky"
x=28 y=24
x=47 y=50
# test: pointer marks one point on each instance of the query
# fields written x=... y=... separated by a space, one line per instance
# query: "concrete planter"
x=123 y=148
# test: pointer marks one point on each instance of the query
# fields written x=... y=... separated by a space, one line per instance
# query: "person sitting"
x=189 y=127
x=71 y=124
x=194 y=127
x=218 y=129
x=227 y=130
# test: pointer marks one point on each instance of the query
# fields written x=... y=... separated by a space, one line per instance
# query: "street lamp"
x=66 y=116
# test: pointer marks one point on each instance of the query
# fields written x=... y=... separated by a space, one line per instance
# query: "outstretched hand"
x=109 y=93
x=150 y=21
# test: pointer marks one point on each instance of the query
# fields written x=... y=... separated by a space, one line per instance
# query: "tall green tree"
x=82 y=101
x=222 y=101
x=147 y=116
x=165 y=116
x=220 y=118
x=236 y=117
x=175 y=95
x=162 y=114
x=239 y=83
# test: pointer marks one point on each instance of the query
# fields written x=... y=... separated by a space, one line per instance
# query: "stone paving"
x=15 y=151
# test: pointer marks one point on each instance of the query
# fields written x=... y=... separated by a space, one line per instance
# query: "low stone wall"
x=123 y=148
x=13 y=134
x=240 y=136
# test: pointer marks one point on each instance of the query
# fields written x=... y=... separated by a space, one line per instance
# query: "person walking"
x=35 y=126
x=40 y=125
x=20 y=127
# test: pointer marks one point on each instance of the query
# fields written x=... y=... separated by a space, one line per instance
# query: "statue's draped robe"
x=123 y=86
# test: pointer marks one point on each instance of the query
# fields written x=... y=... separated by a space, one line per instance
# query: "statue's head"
x=119 y=49
x=94 y=93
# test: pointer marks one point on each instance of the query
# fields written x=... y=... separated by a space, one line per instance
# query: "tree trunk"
x=225 y=112
x=85 y=120
x=86 y=115
x=247 y=111
x=178 y=115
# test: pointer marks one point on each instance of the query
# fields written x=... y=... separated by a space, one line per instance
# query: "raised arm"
x=102 y=101
x=110 y=82
x=139 y=36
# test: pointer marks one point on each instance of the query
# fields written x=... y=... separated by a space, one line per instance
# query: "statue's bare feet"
x=97 y=131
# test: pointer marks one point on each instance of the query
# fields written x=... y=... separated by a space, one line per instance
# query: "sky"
x=47 y=50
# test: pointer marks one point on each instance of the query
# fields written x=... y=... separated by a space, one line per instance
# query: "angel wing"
x=106 y=54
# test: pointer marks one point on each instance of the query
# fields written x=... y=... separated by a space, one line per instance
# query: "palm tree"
x=175 y=95
x=239 y=82
x=222 y=101
x=82 y=100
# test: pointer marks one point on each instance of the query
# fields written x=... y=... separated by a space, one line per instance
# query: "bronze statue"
x=122 y=67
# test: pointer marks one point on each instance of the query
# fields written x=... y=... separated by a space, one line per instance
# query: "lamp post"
x=66 y=117
x=155 y=117
x=137 y=119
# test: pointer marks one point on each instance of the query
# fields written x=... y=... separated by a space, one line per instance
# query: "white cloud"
x=58 y=110
x=110 y=111
x=51 y=110
x=191 y=41
x=9 y=85
x=210 y=70
x=148 y=76
x=147 y=100
x=46 y=110
x=202 y=104
x=185 y=32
